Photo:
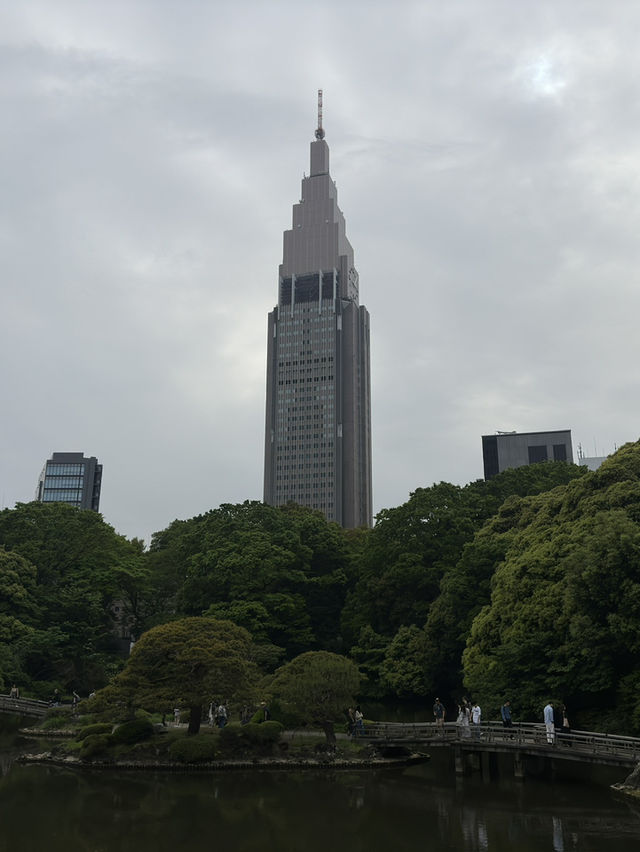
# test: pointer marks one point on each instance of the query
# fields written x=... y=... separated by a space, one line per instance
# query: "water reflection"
x=59 y=809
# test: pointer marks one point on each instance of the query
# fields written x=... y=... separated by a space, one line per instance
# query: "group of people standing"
x=355 y=722
x=218 y=714
x=469 y=717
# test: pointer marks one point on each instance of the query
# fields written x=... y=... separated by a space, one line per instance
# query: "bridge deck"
x=584 y=746
x=23 y=706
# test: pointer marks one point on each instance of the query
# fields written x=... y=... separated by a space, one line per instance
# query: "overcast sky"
x=487 y=162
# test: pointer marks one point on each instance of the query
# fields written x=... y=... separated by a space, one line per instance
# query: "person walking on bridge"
x=439 y=713
x=505 y=712
x=476 y=716
x=548 y=723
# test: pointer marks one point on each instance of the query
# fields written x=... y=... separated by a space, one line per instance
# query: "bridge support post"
x=486 y=759
x=518 y=766
x=459 y=760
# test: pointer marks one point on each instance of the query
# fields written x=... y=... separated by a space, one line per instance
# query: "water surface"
x=423 y=808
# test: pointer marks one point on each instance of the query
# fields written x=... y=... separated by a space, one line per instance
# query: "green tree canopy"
x=414 y=574
x=283 y=572
x=185 y=663
x=318 y=686
x=564 y=615
x=79 y=568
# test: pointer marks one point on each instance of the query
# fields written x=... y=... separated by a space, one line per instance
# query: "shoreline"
x=260 y=763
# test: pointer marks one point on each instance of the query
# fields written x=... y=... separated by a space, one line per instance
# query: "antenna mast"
x=320 y=131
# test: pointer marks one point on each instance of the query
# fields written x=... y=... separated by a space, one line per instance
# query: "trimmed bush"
x=288 y=717
x=197 y=749
x=94 y=745
x=97 y=728
x=231 y=736
x=256 y=736
x=133 y=732
x=263 y=732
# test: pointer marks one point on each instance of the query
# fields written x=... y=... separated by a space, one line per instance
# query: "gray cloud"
x=486 y=161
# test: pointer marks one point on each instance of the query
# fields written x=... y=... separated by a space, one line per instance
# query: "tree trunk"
x=327 y=727
x=195 y=717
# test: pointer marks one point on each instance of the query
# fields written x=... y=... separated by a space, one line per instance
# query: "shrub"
x=263 y=732
x=197 y=749
x=94 y=744
x=56 y=718
x=132 y=732
x=231 y=736
x=288 y=717
x=97 y=728
x=236 y=738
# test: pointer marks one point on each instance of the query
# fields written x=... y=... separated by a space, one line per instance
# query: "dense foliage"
x=183 y=664
x=63 y=572
x=535 y=573
x=563 y=620
x=318 y=686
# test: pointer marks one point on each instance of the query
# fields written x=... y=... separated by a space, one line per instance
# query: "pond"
x=418 y=808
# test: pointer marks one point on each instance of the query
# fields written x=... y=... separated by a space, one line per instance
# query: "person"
x=176 y=716
x=548 y=722
x=14 y=692
x=463 y=718
x=557 y=719
x=505 y=712
x=476 y=716
x=351 y=720
x=359 y=732
x=439 y=713
x=210 y=715
x=566 y=727
x=222 y=715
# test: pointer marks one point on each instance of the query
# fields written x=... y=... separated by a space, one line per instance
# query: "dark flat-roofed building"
x=318 y=406
x=516 y=449
x=71 y=478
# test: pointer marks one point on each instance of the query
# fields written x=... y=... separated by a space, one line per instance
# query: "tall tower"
x=318 y=420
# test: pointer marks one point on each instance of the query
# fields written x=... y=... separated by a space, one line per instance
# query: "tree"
x=319 y=686
x=81 y=567
x=18 y=613
x=284 y=568
x=185 y=662
x=414 y=547
x=402 y=671
x=564 y=613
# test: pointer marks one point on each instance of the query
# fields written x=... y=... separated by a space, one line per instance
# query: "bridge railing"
x=23 y=706
x=521 y=734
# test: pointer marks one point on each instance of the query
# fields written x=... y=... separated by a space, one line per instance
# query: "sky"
x=487 y=163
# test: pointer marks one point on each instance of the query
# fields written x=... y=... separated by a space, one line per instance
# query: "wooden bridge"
x=522 y=741
x=23 y=706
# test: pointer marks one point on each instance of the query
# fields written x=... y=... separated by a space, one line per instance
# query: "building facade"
x=516 y=449
x=71 y=478
x=318 y=406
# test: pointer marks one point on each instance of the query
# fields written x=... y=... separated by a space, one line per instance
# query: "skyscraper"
x=71 y=478
x=318 y=418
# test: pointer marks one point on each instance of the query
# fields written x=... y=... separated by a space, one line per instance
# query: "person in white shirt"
x=548 y=723
x=476 y=716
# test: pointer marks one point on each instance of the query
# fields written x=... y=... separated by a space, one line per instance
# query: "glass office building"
x=71 y=478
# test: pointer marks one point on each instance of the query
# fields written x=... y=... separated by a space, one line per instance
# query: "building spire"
x=320 y=130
